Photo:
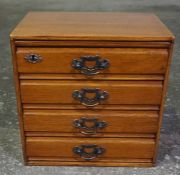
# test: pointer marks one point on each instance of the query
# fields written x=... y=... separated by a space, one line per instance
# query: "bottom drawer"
x=88 y=149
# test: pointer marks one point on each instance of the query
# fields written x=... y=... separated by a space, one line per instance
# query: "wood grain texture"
x=104 y=107
x=116 y=148
x=120 y=92
x=139 y=48
x=98 y=135
x=31 y=76
x=99 y=160
x=122 y=60
x=117 y=121
x=99 y=163
x=91 y=44
x=46 y=161
x=91 y=26
x=18 y=98
x=165 y=86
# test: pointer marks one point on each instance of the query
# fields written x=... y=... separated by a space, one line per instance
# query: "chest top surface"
x=113 y=26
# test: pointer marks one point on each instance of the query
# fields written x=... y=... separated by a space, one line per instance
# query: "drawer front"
x=91 y=93
x=121 y=60
x=82 y=148
x=88 y=122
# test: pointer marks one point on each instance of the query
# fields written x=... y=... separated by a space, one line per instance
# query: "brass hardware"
x=83 y=122
x=88 y=152
x=99 y=96
x=99 y=64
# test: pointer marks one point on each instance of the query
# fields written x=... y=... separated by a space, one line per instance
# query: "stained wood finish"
x=99 y=77
x=139 y=47
x=117 y=121
x=18 y=97
x=104 y=107
x=116 y=148
x=98 y=135
x=99 y=160
x=165 y=85
x=122 y=92
x=122 y=60
x=91 y=44
x=110 y=163
x=90 y=26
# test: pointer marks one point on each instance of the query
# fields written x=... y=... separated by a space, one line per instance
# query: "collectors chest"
x=91 y=87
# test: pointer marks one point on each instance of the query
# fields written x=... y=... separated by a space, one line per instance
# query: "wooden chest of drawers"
x=91 y=87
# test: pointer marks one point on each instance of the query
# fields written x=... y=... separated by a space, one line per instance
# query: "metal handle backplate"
x=99 y=64
x=89 y=126
x=88 y=151
x=81 y=95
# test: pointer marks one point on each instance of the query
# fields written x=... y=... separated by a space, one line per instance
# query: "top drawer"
x=120 y=60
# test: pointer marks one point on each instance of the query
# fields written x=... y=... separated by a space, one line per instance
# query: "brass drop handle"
x=89 y=126
x=88 y=151
x=81 y=95
x=99 y=64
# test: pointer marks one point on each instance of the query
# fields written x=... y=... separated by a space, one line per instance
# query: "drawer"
x=121 y=60
x=90 y=149
x=91 y=93
x=91 y=122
